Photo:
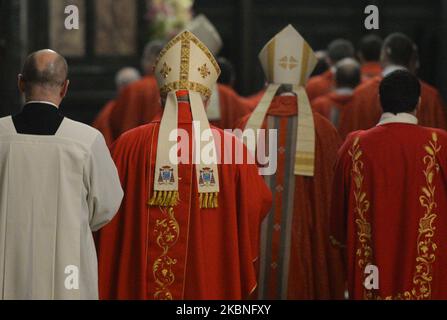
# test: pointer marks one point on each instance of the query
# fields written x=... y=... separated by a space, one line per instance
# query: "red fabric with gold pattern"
x=207 y=253
x=390 y=200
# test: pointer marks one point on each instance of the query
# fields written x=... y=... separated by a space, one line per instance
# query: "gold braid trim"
x=168 y=231
x=165 y=199
x=426 y=247
x=209 y=200
x=185 y=85
x=364 y=253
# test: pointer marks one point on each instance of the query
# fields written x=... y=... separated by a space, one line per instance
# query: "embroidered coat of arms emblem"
x=207 y=177
x=166 y=175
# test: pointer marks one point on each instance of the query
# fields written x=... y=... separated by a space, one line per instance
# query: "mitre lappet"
x=287 y=59
x=185 y=64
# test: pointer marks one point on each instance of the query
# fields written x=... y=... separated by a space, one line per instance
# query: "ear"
x=21 y=83
x=64 y=89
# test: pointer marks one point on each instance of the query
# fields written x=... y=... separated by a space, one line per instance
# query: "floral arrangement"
x=168 y=17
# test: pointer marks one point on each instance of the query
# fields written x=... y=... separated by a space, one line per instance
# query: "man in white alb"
x=58 y=183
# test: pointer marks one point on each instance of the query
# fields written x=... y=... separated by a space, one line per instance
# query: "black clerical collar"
x=38 y=118
x=41 y=102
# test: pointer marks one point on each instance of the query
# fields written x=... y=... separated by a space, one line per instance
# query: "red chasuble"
x=320 y=85
x=390 y=204
x=137 y=104
x=206 y=253
x=371 y=70
x=102 y=122
x=254 y=100
x=366 y=110
x=333 y=107
x=296 y=255
x=232 y=108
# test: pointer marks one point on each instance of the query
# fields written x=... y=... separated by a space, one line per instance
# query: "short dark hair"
x=370 y=47
x=53 y=75
x=400 y=92
x=399 y=49
x=340 y=49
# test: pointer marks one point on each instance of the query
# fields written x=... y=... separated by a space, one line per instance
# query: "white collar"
x=44 y=102
x=404 y=117
x=344 y=91
x=391 y=68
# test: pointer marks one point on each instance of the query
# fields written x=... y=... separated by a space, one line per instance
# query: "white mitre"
x=185 y=64
x=288 y=59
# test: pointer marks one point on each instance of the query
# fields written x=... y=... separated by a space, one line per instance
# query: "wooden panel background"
x=245 y=26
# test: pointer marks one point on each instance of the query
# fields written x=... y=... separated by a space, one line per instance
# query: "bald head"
x=347 y=73
x=44 y=77
x=44 y=68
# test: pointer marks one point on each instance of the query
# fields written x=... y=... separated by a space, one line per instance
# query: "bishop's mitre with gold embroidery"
x=287 y=59
x=185 y=64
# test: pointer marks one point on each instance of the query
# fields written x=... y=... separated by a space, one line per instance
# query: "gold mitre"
x=186 y=64
x=203 y=29
x=287 y=58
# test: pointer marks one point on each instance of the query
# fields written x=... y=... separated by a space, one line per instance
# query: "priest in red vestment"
x=295 y=249
x=123 y=78
x=390 y=200
x=399 y=52
x=139 y=102
x=189 y=224
x=333 y=106
x=369 y=51
x=324 y=83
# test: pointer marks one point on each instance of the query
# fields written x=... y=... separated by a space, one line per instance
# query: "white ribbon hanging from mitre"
x=185 y=64
x=288 y=59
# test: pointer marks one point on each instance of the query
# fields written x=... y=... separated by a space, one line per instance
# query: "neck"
x=53 y=102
